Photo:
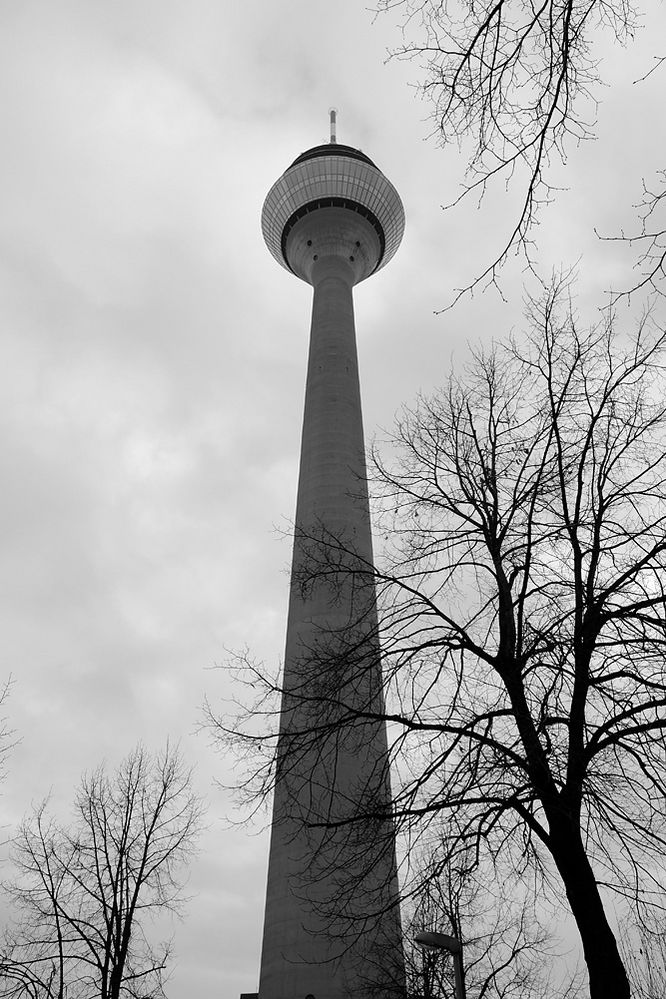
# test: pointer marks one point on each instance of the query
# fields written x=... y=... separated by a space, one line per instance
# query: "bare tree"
x=83 y=894
x=650 y=239
x=506 y=945
x=644 y=951
x=7 y=742
x=515 y=84
x=522 y=594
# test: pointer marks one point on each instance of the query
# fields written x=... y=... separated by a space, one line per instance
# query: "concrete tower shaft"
x=333 y=232
x=331 y=922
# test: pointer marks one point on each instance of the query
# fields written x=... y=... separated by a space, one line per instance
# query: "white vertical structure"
x=332 y=219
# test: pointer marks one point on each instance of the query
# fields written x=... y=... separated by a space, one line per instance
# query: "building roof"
x=333 y=149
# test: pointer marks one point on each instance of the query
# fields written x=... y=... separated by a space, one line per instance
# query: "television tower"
x=332 y=923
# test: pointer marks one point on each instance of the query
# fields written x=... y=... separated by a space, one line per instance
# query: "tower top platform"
x=333 y=176
x=327 y=148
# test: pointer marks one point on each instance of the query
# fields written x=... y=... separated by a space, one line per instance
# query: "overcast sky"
x=153 y=359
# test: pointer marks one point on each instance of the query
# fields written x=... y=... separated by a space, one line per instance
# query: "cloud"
x=153 y=366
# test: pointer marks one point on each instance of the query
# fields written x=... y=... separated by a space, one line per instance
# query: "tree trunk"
x=607 y=974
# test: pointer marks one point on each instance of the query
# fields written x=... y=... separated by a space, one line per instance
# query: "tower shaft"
x=327 y=883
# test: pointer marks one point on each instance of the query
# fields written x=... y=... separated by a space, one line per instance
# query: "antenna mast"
x=333 y=114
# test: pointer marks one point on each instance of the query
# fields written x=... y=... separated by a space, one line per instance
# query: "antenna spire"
x=333 y=114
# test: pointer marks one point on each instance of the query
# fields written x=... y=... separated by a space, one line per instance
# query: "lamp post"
x=442 y=941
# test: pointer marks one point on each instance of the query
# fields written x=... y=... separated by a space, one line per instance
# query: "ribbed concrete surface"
x=331 y=654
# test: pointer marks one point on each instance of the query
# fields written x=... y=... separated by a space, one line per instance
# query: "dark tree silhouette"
x=7 y=742
x=506 y=946
x=83 y=893
x=521 y=590
x=645 y=955
x=650 y=239
x=516 y=85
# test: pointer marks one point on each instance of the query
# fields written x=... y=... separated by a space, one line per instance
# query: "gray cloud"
x=154 y=355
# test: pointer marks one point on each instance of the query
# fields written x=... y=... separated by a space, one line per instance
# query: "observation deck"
x=333 y=200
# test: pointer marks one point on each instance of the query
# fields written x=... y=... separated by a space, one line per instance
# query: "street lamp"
x=442 y=941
